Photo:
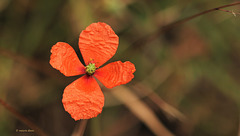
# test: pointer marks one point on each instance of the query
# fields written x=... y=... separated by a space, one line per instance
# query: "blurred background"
x=187 y=79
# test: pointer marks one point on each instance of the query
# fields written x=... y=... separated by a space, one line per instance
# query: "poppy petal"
x=64 y=59
x=98 y=43
x=115 y=73
x=83 y=99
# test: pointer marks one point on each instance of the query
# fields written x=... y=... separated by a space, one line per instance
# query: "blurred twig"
x=156 y=79
x=26 y=61
x=16 y=114
x=37 y=65
x=152 y=36
x=232 y=12
x=170 y=110
x=142 y=88
x=170 y=26
x=141 y=110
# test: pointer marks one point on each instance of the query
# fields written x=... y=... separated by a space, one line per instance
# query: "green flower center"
x=90 y=68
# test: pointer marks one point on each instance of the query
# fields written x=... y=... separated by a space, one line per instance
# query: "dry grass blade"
x=145 y=91
x=141 y=110
x=168 y=109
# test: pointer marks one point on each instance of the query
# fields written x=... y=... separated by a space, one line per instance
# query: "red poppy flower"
x=83 y=99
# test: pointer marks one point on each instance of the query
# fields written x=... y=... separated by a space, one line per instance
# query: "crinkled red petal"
x=83 y=99
x=98 y=43
x=115 y=73
x=64 y=59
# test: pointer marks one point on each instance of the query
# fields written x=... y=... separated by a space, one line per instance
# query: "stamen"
x=90 y=68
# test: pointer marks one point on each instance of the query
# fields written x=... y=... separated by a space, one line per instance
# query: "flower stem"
x=80 y=128
x=20 y=117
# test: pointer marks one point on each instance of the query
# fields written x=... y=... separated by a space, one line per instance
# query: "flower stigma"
x=90 y=68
